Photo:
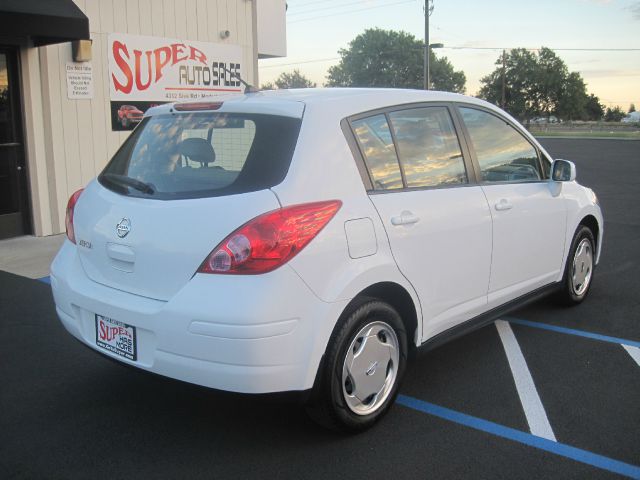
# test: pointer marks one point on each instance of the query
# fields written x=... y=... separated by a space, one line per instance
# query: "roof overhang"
x=37 y=22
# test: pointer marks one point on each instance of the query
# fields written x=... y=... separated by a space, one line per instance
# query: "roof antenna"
x=247 y=87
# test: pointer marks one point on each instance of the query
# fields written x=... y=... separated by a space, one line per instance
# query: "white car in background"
x=312 y=240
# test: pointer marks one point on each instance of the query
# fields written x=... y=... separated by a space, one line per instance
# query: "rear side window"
x=191 y=155
x=428 y=147
x=379 y=153
x=504 y=155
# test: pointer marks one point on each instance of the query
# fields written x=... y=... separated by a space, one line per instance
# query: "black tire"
x=569 y=295
x=327 y=405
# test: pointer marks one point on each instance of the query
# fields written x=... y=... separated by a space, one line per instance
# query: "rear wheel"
x=579 y=269
x=364 y=364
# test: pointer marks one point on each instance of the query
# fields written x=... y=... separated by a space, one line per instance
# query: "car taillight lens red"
x=270 y=240
x=68 y=221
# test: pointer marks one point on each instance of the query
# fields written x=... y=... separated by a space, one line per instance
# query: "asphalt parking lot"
x=66 y=412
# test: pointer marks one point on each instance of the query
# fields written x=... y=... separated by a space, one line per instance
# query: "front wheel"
x=578 y=274
x=364 y=364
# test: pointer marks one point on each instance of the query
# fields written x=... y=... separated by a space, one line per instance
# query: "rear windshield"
x=204 y=154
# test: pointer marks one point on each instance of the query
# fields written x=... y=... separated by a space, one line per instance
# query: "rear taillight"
x=68 y=221
x=270 y=240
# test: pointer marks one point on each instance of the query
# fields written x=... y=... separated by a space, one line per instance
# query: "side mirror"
x=563 y=171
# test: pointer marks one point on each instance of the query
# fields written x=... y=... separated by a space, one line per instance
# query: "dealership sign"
x=165 y=70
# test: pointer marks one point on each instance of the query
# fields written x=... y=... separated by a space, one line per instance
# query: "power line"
x=351 y=11
x=300 y=63
x=306 y=4
x=550 y=48
x=317 y=60
x=360 y=2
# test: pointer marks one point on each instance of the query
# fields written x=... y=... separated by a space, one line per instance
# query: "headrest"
x=198 y=150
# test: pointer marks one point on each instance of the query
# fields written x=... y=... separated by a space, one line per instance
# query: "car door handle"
x=504 y=204
x=405 y=218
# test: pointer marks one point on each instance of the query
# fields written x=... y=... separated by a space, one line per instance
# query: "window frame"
x=363 y=167
x=472 y=151
x=359 y=157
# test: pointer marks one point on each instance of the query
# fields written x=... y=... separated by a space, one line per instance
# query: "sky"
x=317 y=29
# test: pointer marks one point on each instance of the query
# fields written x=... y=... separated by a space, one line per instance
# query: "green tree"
x=388 y=58
x=571 y=104
x=553 y=85
x=614 y=114
x=535 y=84
x=632 y=108
x=594 y=109
x=443 y=76
x=294 y=79
x=516 y=74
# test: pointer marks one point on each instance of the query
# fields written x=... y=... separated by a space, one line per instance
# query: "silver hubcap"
x=370 y=368
x=582 y=267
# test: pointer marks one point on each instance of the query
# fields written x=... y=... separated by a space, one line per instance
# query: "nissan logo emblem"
x=123 y=228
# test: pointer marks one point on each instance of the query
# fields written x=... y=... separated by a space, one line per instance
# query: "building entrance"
x=15 y=218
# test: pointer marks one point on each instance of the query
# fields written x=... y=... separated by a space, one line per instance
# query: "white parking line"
x=531 y=404
x=634 y=352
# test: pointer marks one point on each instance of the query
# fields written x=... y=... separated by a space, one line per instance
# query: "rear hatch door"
x=176 y=188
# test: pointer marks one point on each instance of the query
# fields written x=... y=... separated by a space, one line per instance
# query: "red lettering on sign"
x=103 y=331
x=156 y=61
x=118 y=50
x=107 y=333
x=197 y=55
x=139 y=84
x=161 y=62
x=177 y=48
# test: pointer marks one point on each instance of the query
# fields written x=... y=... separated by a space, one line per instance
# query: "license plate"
x=115 y=336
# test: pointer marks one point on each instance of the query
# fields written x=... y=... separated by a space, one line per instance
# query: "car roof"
x=331 y=102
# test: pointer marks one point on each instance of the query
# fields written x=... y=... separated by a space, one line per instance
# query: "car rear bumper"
x=250 y=334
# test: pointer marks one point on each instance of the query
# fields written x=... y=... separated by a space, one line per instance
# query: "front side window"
x=379 y=153
x=503 y=154
x=428 y=147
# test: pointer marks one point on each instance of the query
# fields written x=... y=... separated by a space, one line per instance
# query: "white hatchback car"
x=312 y=240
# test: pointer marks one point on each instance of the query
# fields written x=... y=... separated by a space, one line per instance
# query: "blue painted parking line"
x=561 y=449
x=45 y=280
x=571 y=331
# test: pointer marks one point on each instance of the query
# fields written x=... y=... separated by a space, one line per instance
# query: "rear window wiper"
x=123 y=180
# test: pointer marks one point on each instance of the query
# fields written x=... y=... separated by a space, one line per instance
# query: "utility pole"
x=428 y=8
x=504 y=86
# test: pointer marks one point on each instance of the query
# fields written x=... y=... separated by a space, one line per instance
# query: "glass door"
x=14 y=215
